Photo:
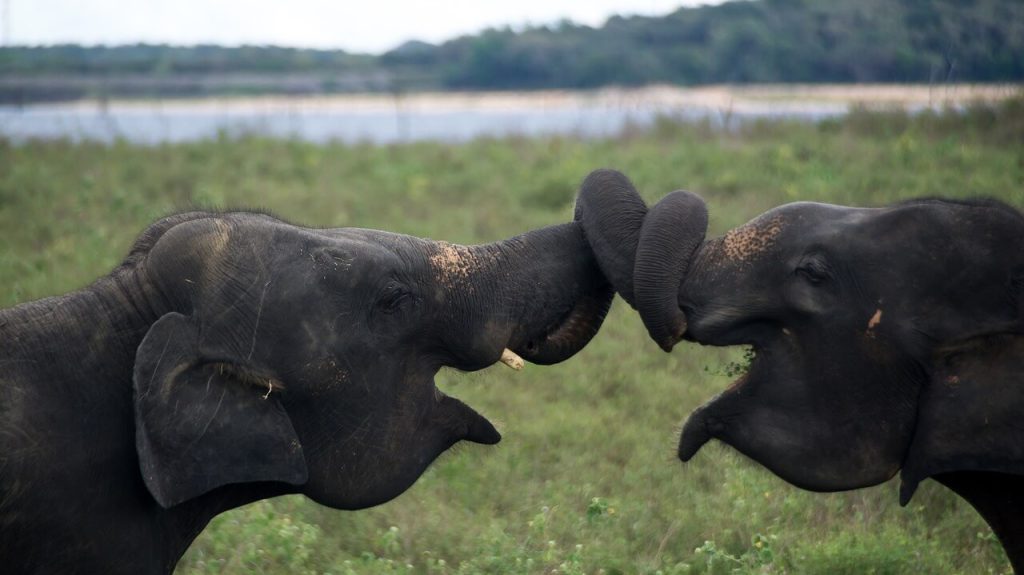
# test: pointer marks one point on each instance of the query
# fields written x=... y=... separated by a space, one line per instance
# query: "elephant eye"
x=394 y=297
x=813 y=270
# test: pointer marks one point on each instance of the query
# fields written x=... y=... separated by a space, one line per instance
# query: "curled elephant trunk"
x=672 y=232
x=551 y=293
x=612 y=214
x=645 y=254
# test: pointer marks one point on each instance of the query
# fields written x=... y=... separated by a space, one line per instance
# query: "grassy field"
x=586 y=480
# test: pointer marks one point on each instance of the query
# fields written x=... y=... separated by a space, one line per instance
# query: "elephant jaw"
x=800 y=445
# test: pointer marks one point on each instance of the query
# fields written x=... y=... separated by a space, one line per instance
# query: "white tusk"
x=509 y=358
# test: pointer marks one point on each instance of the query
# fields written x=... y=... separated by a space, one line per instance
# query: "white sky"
x=372 y=26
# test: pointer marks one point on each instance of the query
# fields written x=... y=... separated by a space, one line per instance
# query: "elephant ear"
x=970 y=413
x=203 y=421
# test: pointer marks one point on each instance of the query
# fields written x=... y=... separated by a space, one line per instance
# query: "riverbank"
x=463 y=116
x=738 y=97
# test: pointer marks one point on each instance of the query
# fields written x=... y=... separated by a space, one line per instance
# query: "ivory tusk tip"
x=509 y=358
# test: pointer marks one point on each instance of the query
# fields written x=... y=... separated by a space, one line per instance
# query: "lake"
x=456 y=117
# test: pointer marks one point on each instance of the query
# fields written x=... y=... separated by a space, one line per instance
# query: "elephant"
x=884 y=340
x=233 y=357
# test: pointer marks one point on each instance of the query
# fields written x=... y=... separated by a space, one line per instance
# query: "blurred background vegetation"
x=586 y=479
x=741 y=41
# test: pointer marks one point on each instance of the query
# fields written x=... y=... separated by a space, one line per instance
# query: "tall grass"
x=585 y=480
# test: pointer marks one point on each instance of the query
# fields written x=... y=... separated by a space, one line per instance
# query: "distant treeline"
x=743 y=41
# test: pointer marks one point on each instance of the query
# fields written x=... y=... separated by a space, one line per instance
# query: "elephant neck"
x=181 y=524
x=999 y=499
x=76 y=354
x=84 y=338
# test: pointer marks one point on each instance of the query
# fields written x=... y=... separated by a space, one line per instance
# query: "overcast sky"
x=355 y=25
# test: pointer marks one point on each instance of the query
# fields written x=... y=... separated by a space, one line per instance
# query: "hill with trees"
x=741 y=41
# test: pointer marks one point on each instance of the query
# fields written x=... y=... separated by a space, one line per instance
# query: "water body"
x=379 y=122
x=383 y=119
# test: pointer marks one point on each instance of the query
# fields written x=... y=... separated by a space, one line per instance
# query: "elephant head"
x=306 y=357
x=882 y=339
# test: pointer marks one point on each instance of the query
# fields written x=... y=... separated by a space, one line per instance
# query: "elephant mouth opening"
x=569 y=332
x=707 y=422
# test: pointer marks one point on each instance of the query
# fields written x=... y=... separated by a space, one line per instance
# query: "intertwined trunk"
x=646 y=254
x=543 y=287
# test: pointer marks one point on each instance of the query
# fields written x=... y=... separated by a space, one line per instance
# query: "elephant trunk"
x=612 y=214
x=672 y=232
x=644 y=254
x=549 y=295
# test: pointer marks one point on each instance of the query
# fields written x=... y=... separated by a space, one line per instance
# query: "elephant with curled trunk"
x=886 y=340
x=234 y=357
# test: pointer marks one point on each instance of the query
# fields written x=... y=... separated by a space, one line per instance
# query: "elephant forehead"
x=208 y=237
x=750 y=240
x=217 y=236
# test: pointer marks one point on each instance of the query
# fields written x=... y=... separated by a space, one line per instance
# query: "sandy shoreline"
x=722 y=97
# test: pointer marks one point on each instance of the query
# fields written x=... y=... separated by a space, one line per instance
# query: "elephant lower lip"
x=695 y=434
x=466 y=423
x=483 y=432
x=701 y=427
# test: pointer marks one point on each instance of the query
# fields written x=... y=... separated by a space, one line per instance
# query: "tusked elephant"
x=885 y=340
x=233 y=357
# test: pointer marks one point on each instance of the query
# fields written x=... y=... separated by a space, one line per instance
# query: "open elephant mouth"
x=711 y=420
x=706 y=422
x=562 y=338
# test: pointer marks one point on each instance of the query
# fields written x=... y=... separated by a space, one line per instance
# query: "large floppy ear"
x=959 y=265
x=970 y=416
x=203 y=422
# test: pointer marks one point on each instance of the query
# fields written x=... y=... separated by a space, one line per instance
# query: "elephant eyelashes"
x=394 y=298
x=813 y=270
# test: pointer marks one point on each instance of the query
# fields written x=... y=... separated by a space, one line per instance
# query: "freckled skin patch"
x=454 y=264
x=746 y=242
x=451 y=263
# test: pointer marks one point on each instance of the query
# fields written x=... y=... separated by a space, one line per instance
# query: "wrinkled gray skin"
x=885 y=339
x=234 y=357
